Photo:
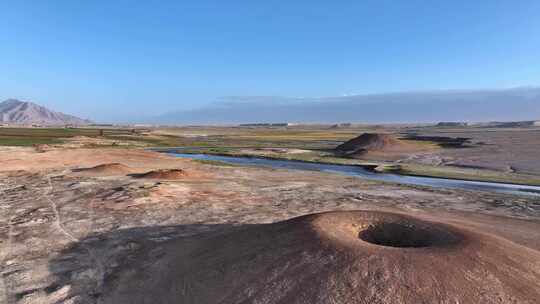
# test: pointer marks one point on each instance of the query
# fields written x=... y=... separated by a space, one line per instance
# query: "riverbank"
x=408 y=169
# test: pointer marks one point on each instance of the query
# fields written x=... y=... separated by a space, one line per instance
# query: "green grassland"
x=209 y=137
x=238 y=137
x=33 y=136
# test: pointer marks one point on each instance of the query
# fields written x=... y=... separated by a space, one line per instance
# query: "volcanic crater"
x=337 y=257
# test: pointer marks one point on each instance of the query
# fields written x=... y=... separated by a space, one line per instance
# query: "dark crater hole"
x=406 y=235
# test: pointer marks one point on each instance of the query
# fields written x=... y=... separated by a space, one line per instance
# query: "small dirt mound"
x=106 y=169
x=336 y=257
x=381 y=147
x=163 y=174
x=42 y=148
x=371 y=142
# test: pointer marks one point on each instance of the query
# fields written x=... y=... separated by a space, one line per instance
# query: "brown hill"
x=23 y=112
x=337 y=257
x=377 y=143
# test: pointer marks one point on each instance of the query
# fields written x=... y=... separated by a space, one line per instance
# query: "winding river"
x=360 y=172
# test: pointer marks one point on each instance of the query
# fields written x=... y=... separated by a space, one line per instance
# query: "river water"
x=360 y=172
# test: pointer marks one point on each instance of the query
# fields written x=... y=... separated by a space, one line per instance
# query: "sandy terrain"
x=69 y=237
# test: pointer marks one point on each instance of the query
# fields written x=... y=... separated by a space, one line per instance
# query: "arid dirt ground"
x=511 y=149
x=73 y=236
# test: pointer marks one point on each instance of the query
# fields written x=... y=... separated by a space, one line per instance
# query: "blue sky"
x=109 y=60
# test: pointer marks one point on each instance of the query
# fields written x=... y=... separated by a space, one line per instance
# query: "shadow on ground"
x=83 y=271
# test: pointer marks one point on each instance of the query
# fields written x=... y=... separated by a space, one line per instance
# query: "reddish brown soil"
x=106 y=169
x=169 y=174
x=338 y=257
x=27 y=159
x=70 y=238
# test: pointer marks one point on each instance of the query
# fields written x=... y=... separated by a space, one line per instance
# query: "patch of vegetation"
x=33 y=136
x=215 y=163
x=219 y=150
x=21 y=141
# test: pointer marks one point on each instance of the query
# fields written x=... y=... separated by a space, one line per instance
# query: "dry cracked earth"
x=69 y=236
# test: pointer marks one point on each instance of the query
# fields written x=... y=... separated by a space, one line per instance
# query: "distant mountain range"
x=431 y=106
x=503 y=105
x=14 y=111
